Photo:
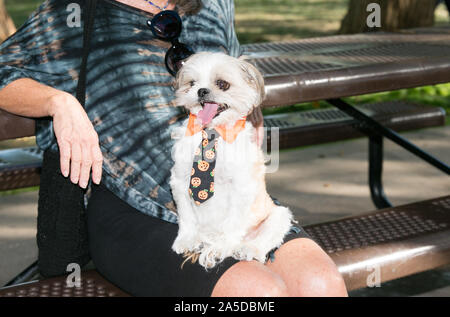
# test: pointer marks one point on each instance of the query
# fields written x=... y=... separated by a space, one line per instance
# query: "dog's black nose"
x=202 y=92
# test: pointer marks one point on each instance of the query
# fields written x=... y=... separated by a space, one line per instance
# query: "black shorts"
x=133 y=251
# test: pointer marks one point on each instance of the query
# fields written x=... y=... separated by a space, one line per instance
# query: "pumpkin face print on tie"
x=203 y=194
x=210 y=154
x=196 y=181
x=201 y=187
x=203 y=166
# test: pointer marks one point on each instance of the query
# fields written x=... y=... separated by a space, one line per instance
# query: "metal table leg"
x=376 y=172
x=376 y=132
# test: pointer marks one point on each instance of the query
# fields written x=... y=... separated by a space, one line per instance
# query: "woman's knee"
x=250 y=279
x=324 y=283
x=307 y=270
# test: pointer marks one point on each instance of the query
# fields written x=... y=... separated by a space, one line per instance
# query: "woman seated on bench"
x=124 y=131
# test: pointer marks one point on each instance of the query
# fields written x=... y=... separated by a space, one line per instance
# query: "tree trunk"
x=6 y=23
x=394 y=15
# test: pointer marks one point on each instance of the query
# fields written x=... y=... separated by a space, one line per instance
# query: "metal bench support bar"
x=375 y=127
x=376 y=132
x=25 y=276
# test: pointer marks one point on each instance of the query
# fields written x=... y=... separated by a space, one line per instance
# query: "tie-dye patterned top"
x=129 y=93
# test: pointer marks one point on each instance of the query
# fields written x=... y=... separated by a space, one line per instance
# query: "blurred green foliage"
x=19 y=10
x=437 y=95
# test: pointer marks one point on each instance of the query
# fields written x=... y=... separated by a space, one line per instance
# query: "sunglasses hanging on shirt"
x=167 y=26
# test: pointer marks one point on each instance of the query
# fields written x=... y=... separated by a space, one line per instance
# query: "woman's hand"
x=256 y=118
x=77 y=140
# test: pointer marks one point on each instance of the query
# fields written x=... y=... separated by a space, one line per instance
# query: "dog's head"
x=218 y=89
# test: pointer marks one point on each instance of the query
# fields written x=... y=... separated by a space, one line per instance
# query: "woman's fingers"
x=64 y=157
x=86 y=156
x=75 y=162
x=80 y=155
x=86 y=164
x=97 y=163
x=77 y=140
x=92 y=159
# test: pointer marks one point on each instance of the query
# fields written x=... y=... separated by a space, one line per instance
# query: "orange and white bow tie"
x=201 y=185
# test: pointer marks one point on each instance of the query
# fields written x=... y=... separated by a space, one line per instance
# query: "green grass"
x=279 y=20
x=19 y=10
x=18 y=191
x=437 y=95
x=434 y=96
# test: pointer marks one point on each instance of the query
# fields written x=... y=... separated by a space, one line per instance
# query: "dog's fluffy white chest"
x=218 y=227
x=234 y=180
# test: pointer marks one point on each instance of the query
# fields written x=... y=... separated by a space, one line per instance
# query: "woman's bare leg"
x=250 y=279
x=301 y=268
x=307 y=270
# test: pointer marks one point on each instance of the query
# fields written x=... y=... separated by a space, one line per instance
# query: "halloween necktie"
x=201 y=186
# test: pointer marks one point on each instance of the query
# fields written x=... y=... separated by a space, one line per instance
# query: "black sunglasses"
x=166 y=26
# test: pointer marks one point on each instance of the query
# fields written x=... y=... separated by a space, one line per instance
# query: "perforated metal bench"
x=396 y=242
x=330 y=125
x=392 y=242
x=91 y=285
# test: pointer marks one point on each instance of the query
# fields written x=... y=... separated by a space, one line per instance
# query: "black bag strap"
x=87 y=32
x=62 y=236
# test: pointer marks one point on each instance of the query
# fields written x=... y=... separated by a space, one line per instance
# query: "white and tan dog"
x=240 y=220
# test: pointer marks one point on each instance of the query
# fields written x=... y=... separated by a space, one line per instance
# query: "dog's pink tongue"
x=208 y=112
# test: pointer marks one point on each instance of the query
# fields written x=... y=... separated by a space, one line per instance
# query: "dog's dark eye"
x=192 y=83
x=222 y=84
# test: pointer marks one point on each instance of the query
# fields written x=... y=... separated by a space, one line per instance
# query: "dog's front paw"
x=249 y=252
x=185 y=244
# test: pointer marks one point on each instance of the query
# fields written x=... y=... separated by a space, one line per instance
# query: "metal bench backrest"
x=13 y=127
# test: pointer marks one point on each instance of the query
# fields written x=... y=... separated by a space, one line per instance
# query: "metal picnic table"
x=330 y=68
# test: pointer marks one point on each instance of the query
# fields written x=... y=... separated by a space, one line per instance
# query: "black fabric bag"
x=62 y=229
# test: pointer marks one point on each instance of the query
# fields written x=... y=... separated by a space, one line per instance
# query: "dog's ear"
x=180 y=74
x=254 y=79
x=178 y=79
